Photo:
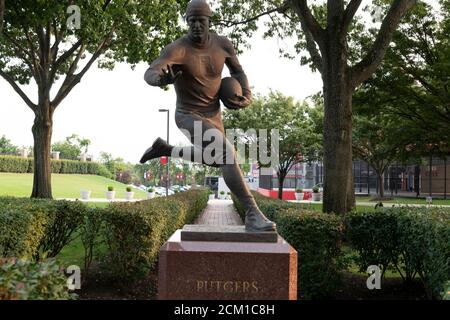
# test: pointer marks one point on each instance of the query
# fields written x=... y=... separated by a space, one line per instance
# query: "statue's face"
x=198 y=28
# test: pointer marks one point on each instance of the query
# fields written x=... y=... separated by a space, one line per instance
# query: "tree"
x=71 y=147
x=410 y=89
x=6 y=147
x=413 y=82
x=324 y=32
x=377 y=141
x=84 y=143
x=38 y=42
x=296 y=129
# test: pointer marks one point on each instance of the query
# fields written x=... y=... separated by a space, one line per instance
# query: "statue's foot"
x=256 y=221
x=158 y=149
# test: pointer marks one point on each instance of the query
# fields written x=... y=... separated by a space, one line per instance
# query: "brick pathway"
x=220 y=212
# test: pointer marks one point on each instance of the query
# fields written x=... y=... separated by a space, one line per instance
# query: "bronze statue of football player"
x=194 y=64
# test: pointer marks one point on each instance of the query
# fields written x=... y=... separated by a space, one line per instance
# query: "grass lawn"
x=318 y=207
x=405 y=200
x=64 y=185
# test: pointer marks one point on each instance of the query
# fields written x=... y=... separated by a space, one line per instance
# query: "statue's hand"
x=239 y=102
x=168 y=76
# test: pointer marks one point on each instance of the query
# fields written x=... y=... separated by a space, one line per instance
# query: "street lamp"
x=168 y=162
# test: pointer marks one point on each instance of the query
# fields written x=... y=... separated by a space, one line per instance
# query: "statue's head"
x=198 y=15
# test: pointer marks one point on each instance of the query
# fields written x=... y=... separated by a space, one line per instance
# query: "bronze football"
x=229 y=88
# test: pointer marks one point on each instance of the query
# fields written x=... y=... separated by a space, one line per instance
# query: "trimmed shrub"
x=317 y=238
x=134 y=232
x=22 y=227
x=374 y=236
x=414 y=241
x=31 y=227
x=65 y=219
x=197 y=200
x=28 y=280
x=14 y=164
x=25 y=165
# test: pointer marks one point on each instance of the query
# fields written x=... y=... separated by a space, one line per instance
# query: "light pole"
x=168 y=162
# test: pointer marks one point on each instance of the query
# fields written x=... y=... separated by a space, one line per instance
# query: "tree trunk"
x=380 y=177
x=339 y=195
x=417 y=180
x=281 y=177
x=42 y=135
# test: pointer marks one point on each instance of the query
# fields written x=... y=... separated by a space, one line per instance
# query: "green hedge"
x=317 y=239
x=29 y=280
x=134 y=232
x=32 y=227
x=25 y=165
x=413 y=241
x=22 y=227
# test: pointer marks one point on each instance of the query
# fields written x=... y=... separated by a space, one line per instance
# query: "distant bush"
x=25 y=165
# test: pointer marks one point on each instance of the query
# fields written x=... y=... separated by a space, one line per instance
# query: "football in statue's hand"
x=229 y=89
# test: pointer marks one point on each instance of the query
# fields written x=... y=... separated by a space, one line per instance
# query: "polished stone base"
x=216 y=270
x=194 y=232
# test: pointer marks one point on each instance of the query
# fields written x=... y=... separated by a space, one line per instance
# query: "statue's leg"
x=223 y=156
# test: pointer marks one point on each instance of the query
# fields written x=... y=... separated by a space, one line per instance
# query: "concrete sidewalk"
x=219 y=213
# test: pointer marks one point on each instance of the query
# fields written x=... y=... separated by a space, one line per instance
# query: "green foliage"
x=298 y=190
x=6 y=147
x=29 y=280
x=110 y=188
x=23 y=225
x=315 y=190
x=66 y=218
x=134 y=232
x=25 y=165
x=32 y=228
x=15 y=164
x=70 y=148
x=414 y=241
x=128 y=189
x=297 y=131
x=90 y=231
x=317 y=238
x=410 y=89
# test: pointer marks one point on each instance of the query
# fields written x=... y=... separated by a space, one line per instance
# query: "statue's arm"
x=160 y=72
x=237 y=72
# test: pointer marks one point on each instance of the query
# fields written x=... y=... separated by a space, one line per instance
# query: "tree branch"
x=312 y=48
x=367 y=66
x=350 y=12
x=227 y=23
x=22 y=94
x=63 y=57
x=73 y=80
x=2 y=14
x=310 y=23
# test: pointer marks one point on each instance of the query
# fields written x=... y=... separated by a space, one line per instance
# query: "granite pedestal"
x=226 y=263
